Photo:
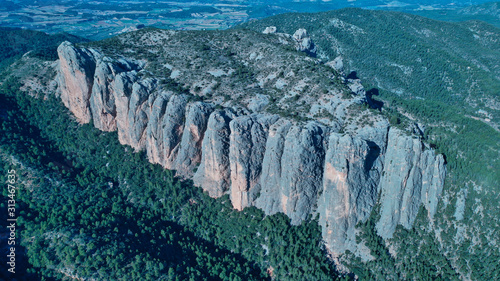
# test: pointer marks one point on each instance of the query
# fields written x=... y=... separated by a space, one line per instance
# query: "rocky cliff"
x=412 y=176
x=274 y=162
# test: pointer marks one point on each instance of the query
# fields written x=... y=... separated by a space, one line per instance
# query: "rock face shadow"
x=376 y=104
x=372 y=156
x=352 y=75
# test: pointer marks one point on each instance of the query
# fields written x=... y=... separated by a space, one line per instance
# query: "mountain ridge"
x=292 y=175
x=221 y=113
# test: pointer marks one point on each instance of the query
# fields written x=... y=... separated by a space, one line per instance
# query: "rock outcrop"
x=102 y=100
x=302 y=170
x=271 y=167
x=260 y=159
x=138 y=112
x=75 y=79
x=412 y=176
x=190 y=152
x=214 y=173
x=171 y=129
x=349 y=190
x=269 y=30
x=304 y=42
x=154 y=132
x=337 y=64
x=246 y=154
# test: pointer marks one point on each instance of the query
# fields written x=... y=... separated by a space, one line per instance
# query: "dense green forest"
x=89 y=206
x=16 y=42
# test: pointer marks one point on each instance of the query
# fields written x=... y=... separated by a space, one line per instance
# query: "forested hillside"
x=15 y=42
x=488 y=12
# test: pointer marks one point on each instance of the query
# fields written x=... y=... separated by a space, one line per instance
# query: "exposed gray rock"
x=260 y=159
x=434 y=173
x=337 y=64
x=102 y=100
x=122 y=86
x=297 y=162
x=138 y=112
x=246 y=153
x=376 y=138
x=302 y=176
x=349 y=190
x=189 y=155
x=106 y=87
x=270 y=179
x=258 y=102
x=213 y=174
x=304 y=42
x=356 y=87
x=410 y=174
x=75 y=79
x=154 y=131
x=269 y=30
x=172 y=127
x=375 y=134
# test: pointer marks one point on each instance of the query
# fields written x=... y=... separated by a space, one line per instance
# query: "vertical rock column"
x=139 y=111
x=75 y=79
x=102 y=101
x=349 y=191
x=122 y=86
x=269 y=199
x=154 y=132
x=172 y=127
x=433 y=180
x=410 y=174
x=246 y=153
x=302 y=170
x=213 y=174
x=189 y=155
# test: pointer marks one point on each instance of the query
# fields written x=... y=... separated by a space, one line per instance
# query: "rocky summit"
x=256 y=116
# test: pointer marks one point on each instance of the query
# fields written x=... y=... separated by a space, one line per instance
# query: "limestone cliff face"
x=154 y=133
x=293 y=169
x=214 y=172
x=190 y=149
x=246 y=154
x=102 y=100
x=75 y=79
x=270 y=179
x=411 y=176
x=263 y=160
x=170 y=129
x=302 y=170
x=138 y=112
x=349 y=191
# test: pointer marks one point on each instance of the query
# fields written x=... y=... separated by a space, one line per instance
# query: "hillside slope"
x=407 y=55
x=444 y=76
x=15 y=42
